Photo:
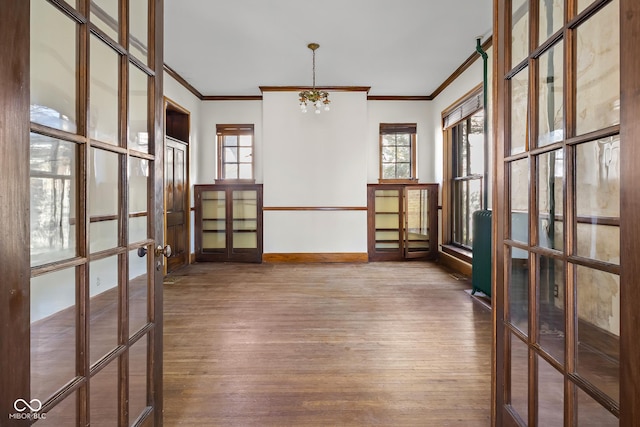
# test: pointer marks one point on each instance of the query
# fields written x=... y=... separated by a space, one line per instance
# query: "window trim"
x=394 y=128
x=234 y=129
x=460 y=110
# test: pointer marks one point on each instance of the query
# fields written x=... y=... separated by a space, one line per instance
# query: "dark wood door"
x=177 y=203
x=81 y=165
x=565 y=213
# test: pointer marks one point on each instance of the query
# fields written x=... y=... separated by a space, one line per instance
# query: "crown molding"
x=398 y=98
x=461 y=69
x=299 y=88
x=232 y=98
x=182 y=81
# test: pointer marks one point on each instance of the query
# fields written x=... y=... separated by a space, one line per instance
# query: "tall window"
x=468 y=169
x=235 y=152
x=465 y=125
x=397 y=152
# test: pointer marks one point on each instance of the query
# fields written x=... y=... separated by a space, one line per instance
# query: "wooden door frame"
x=629 y=208
x=187 y=207
x=14 y=207
x=156 y=11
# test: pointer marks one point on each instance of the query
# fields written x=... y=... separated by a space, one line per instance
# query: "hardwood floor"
x=378 y=344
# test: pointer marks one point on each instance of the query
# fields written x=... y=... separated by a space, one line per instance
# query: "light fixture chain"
x=314 y=69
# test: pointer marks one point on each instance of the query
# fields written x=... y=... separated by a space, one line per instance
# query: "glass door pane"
x=104 y=14
x=417 y=238
x=245 y=219
x=214 y=218
x=387 y=220
x=53 y=53
x=53 y=199
x=53 y=332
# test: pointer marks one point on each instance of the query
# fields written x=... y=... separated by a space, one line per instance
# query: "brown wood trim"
x=57 y=133
x=299 y=88
x=598 y=134
x=182 y=81
x=454 y=263
x=461 y=69
x=598 y=220
x=115 y=45
x=597 y=395
x=314 y=208
x=155 y=220
x=315 y=257
x=141 y=155
x=462 y=254
x=398 y=98
x=596 y=264
x=500 y=56
x=14 y=193
x=108 y=147
x=629 y=207
x=108 y=253
x=400 y=181
x=141 y=65
x=232 y=98
x=55 y=266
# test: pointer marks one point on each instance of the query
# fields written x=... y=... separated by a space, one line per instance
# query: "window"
x=397 y=152
x=464 y=127
x=468 y=169
x=235 y=152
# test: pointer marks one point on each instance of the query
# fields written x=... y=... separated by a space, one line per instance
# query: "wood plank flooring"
x=378 y=344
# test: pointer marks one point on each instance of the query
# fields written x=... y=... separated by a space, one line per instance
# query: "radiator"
x=481 y=265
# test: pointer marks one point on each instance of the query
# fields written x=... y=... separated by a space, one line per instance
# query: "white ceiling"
x=398 y=47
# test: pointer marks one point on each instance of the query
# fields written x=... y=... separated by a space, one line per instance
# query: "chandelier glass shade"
x=319 y=99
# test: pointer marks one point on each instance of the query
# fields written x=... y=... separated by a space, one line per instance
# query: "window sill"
x=398 y=181
x=235 y=181
x=458 y=252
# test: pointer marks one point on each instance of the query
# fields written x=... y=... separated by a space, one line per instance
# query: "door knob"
x=142 y=251
x=166 y=251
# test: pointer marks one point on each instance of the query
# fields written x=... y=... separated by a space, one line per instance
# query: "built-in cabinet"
x=402 y=221
x=228 y=222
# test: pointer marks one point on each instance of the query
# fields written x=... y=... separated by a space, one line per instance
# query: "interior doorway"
x=176 y=184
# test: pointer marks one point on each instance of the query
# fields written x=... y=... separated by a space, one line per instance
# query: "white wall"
x=315 y=160
x=226 y=112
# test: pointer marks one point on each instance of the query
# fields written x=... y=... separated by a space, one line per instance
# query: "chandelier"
x=315 y=97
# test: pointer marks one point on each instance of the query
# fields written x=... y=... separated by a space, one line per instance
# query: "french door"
x=82 y=90
x=566 y=198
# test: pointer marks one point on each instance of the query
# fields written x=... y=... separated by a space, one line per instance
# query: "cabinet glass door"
x=245 y=220
x=214 y=216
x=387 y=220
x=416 y=227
